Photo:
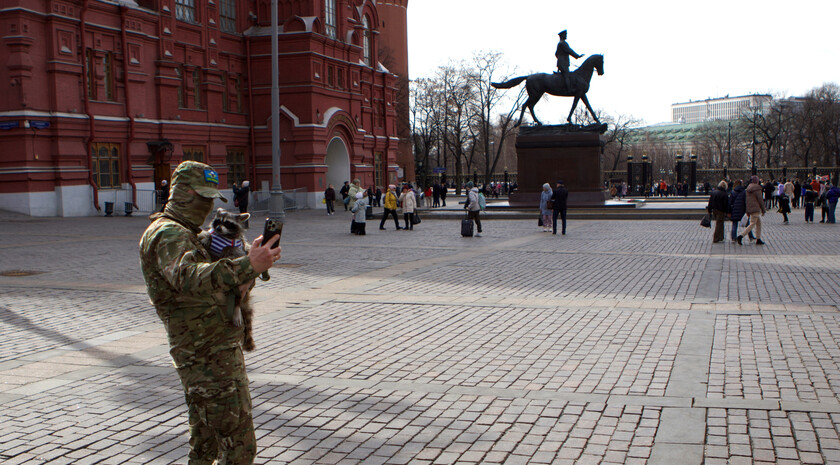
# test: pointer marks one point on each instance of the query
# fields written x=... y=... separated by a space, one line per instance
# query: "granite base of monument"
x=550 y=153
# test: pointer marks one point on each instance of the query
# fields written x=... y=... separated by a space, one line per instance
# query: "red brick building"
x=105 y=97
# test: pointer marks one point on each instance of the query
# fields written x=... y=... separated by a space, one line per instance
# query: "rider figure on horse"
x=563 y=52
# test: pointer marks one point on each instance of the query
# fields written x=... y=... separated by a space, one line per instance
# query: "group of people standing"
x=357 y=199
x=553 y=204
x=744 y=206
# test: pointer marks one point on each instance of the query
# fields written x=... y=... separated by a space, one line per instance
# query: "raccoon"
x=226 y=239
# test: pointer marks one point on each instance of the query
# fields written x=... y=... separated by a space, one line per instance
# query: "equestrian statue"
x=563 y=83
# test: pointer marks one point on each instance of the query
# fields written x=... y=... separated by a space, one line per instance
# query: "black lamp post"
x=784 y=171
x=729 y=144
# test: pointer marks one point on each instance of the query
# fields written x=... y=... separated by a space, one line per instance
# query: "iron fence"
x=295 y=199
x=120 y=201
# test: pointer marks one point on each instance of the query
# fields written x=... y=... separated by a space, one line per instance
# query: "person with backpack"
x=473 y=207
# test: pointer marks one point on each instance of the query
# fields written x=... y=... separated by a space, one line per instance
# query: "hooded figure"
x=546 y=208
x=189 y=291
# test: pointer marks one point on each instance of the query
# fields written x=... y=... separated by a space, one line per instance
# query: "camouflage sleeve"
x=187 y=270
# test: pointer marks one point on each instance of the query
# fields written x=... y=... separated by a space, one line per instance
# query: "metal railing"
x=295 y=199
x=120 y=201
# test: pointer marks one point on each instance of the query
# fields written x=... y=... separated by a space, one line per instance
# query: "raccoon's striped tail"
x=508 y=84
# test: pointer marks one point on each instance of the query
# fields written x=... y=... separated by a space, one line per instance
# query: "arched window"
x=366 y=40
x=329 y=18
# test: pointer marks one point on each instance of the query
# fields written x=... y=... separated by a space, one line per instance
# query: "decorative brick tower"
x=393 y=54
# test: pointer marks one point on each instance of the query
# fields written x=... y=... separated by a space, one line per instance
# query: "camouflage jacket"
x=189 y=290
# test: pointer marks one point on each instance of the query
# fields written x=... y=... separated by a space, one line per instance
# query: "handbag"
x=745 y=220
x=706 y=222
x=549 y=205
x=539 y=221
x=323 y=200
x=235 y=202
x=415 y=218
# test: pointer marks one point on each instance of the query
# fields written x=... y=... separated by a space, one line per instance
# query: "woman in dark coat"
x=737 y=206
x=329 y=199
x=241 y=195
x=718 y=207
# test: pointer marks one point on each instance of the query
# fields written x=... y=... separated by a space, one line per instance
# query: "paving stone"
x=380 y=350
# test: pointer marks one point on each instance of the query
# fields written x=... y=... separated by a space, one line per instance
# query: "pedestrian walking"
x=428 y=196
x=188 y=291
x=717 y=207
x=329 y=199
x=473 y=207
x=546 y=206
x=831 y=196
x=784 y=205
x=164 y=193
x=241 y=196
x=436 y=195
x=809 y=198
x=390 y=207
x=560 y=197
x=443 y=190
x=345 y=196
x=756 y=209
x=409 y=204
x=737 y=207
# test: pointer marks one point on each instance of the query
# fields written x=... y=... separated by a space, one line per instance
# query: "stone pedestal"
x=548 y=153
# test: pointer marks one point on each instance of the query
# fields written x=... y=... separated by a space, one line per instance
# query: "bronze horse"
x=539 y=83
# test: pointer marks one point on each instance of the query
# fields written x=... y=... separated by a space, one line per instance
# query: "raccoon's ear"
x=244 y=216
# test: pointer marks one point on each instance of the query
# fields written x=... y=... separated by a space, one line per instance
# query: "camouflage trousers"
x=221 y=426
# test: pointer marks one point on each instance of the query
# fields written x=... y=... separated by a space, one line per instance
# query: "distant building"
x=105 y=97
x=725 y=108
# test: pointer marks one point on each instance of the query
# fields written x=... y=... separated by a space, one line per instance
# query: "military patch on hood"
x=211 y=176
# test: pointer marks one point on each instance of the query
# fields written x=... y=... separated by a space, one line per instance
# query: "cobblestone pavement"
x=621 y=342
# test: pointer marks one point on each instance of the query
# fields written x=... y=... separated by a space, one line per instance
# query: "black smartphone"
x=272 y=228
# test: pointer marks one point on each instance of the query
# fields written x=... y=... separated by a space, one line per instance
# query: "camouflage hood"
x=194 y=186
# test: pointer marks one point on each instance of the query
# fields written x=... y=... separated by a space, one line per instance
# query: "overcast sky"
x=655 y=52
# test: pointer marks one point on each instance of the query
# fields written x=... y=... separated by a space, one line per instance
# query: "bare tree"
x=485 y=67
x=424 y=124
x=617 y=139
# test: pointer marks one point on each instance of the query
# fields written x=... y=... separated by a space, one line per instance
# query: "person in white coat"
x=409 y=204
x=359 y=220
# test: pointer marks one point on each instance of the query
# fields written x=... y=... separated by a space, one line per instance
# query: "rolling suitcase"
x=467 y=227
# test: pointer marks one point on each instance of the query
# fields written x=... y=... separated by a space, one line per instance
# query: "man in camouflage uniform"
x=189 y=291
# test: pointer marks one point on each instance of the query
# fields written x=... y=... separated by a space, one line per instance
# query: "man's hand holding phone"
x=264 y=252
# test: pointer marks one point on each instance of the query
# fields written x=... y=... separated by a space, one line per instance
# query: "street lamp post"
x=752 y=155
x=277 y=202
x=729 y=144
